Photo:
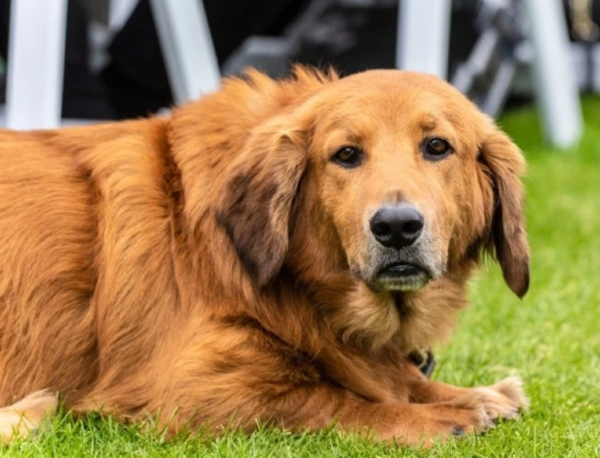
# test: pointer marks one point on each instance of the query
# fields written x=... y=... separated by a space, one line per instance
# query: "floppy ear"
x=255 y=207
x=503 y=162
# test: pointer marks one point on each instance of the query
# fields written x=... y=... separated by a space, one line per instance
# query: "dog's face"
x=392 y=166
x=409 y=178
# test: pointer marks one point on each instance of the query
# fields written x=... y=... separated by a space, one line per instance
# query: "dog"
x=273 y=252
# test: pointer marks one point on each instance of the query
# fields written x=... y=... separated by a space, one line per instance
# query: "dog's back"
x=89 y=253
x=53 y=236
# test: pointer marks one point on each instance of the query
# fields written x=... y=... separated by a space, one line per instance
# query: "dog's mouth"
x=402 y=276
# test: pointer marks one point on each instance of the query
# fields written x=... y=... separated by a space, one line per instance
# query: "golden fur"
x=213 y=266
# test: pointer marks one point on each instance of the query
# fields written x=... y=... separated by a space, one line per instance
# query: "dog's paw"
x=512 y=388
x=440 y=422
x=474 y=408
x=505 y=399
x=25 y=416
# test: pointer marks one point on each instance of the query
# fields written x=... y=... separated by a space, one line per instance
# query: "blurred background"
x=119 y=59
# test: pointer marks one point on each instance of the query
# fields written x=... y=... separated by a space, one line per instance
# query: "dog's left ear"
x=502 y=161
x=256 y=205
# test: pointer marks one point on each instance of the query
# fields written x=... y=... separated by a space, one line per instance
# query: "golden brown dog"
x=274 y=251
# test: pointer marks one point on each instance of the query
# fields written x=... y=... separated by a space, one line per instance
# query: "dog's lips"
x=400 y=269
x=402 y=276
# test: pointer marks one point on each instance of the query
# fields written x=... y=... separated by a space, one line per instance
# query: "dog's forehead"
x=395 y=100
x=390 y=83
x=385 y=93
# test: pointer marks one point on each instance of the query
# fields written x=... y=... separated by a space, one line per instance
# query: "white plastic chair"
x=36 y=57
x=424 y=37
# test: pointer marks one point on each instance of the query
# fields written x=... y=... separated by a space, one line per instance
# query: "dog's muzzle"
x=400 y=258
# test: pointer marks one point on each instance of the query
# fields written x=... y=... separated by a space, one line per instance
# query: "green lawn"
x=551 y=339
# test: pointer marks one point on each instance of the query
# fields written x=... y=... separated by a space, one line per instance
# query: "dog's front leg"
x=402 y=422
x=503 y=400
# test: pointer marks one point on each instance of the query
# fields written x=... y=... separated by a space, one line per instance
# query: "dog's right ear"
x=254 y=209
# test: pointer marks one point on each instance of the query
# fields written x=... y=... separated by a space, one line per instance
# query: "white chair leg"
x=424 y=36
x=36 y=63
x=187 y=47
x=554 y=78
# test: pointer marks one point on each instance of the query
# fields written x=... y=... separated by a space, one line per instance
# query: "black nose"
x=397 y=227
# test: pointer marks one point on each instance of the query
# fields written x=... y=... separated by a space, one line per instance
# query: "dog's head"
x=393 y=176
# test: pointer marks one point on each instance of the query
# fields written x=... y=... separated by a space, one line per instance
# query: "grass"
x=551 y=339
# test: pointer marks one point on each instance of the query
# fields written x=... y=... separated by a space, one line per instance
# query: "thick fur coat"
x=217 y=265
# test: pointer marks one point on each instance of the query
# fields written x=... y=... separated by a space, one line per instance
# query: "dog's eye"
x=348 y=156
x=436 y=148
